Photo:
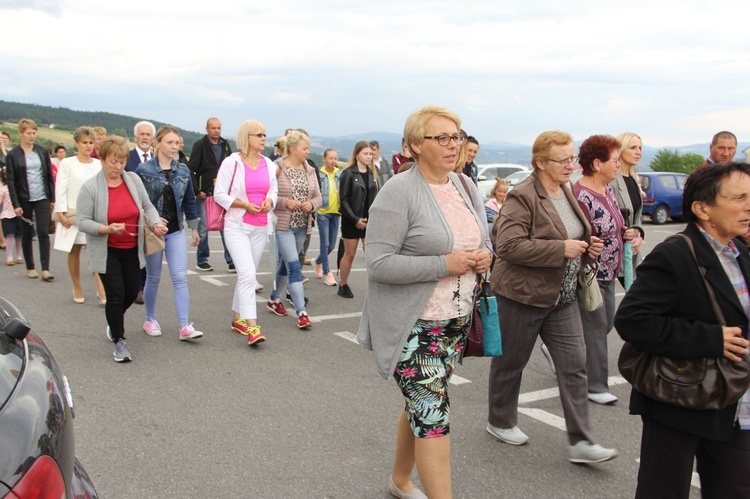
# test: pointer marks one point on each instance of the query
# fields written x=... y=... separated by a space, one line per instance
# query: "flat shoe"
x=10 y=263
x=396 y=492
x=47 y=276
x=32 y=274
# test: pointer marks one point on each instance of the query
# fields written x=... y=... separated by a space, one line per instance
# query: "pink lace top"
x=453 y=295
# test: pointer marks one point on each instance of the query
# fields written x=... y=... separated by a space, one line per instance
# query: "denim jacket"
x=179 y=179
x=324 y=187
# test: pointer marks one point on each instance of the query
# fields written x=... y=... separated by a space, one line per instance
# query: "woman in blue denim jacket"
x=329 y=216
x=171 y=191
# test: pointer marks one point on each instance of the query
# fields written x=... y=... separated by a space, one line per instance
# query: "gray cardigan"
x=407 y=240
x=91 y=210
x=623 y=201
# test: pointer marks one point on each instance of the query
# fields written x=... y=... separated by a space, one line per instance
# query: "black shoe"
x=344 y=291
x=206 y=267
x=289 y=299
x=232 y=270
x=139 y=298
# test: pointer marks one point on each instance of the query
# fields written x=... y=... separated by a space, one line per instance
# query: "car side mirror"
x=17 y=329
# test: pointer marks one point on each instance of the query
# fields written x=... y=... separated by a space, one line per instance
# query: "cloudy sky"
x=674 y=72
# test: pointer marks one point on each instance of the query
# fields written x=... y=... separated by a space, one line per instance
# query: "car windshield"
x=514 y=178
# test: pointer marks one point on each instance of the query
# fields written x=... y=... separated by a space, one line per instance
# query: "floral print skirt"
x=424 y=369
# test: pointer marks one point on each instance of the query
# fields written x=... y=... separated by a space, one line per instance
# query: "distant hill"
x=67 y=119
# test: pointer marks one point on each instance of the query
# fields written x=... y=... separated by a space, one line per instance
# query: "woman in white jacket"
x=71 y=175
x=246 y=187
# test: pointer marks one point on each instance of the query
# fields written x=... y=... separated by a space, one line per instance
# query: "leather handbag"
x=589 y=293
x=215 y=213
x=70 y=215
x=700 y=384
x=152 y=243
x=484 y=338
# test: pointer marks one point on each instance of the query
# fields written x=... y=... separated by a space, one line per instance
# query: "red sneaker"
x=254 y=336
x=276 y=307
x=240 y=326
x=303 y=321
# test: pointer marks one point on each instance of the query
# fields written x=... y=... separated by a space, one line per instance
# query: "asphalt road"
x=303 y=415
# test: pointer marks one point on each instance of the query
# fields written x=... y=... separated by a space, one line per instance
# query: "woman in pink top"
x=246 y=187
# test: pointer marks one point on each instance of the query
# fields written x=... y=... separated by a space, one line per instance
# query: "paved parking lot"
x=303 y=415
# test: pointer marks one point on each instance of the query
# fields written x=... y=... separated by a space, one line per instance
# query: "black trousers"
x=667 y=464
x=121 y=282
x=40 y=212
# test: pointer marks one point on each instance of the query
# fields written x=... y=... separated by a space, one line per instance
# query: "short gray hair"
x=144 y=123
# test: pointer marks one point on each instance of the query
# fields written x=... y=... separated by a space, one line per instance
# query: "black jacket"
x=15 y=169
x=667 y=312
x=203 y=165
x=353 y=196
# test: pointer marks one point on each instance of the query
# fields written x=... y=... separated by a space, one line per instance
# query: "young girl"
x=496 y=200
x=11 y=224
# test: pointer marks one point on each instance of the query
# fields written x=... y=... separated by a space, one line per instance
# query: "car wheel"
x=660 y=215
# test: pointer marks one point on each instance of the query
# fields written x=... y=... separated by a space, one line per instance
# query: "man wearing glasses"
x=205 y=159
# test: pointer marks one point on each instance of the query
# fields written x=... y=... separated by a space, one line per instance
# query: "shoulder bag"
x=214 y=211
x=699 y=384
x=589 y=293
x=484 y=338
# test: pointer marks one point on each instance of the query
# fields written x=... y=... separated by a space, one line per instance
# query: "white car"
x=486 y=175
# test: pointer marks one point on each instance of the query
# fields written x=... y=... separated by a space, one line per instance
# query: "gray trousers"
x=560 y=329
x=596 y=327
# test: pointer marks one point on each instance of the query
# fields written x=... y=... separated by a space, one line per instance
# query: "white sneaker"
x=545 y=352
x=512 y=436
x=586 y=452
x=258 y=287
x=604 y=398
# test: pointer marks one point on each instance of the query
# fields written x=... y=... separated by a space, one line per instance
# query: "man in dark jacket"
x=204 y=163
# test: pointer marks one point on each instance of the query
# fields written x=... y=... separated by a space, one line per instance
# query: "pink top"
x=257 y=185
x=6 y=209
x=453 y=296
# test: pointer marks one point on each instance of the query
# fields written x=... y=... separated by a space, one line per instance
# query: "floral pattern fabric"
x=606 y=223
x=424 y=369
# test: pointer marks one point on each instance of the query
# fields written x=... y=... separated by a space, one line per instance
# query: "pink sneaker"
x=240 y=326
x=254 y=336
x=152 y=328
x=276 y=307
x=189 y=333
x=330 y=280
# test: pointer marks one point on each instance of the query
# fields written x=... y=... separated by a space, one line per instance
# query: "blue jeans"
x=203 y=251
x=328 y=226
x=177 y=255
x=289 y=243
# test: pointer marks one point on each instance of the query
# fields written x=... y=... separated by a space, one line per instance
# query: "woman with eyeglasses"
x=246 y=187
x=600 y=159
x=541 y=239
x=360 y=184
x=426 y=241
x=110 y=211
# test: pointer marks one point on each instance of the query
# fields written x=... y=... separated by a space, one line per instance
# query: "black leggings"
x=121 y=282
x=39 y=212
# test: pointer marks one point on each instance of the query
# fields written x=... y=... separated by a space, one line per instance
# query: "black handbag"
x=700 y=384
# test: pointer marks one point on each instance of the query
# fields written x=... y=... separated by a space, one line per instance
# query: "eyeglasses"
x=444 y=140
x=564 y=162
x=259 y=135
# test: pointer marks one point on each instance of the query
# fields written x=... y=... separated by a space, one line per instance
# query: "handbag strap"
x=709 y=288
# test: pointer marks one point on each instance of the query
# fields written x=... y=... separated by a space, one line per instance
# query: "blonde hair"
x=417 y=122
x=113 y=145
x=545 y=141
x=243 y=133
x=499 y=182
x=293 y=138
x=624 y=139
x=100 y=130
x=164 y=130
x=84 y=131
x=25 y=124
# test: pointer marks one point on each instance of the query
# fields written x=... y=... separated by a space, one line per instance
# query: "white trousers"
x=246 y=244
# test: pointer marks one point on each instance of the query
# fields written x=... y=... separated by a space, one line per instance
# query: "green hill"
x=64 y=119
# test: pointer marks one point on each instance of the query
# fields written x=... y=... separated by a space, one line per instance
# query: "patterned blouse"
x=301 y=193
x=607 y=224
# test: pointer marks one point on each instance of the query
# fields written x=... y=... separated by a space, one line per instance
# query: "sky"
x=675 y=72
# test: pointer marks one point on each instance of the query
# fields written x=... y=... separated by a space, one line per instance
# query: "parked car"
x=486 y=175
x=662 y=195
x=37 y=445
x=514 y=178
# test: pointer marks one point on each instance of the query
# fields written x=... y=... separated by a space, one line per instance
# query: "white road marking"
x=458 y=380
x=319 y=318
x=213 y=281
x=544 y=417
x=347 y=336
